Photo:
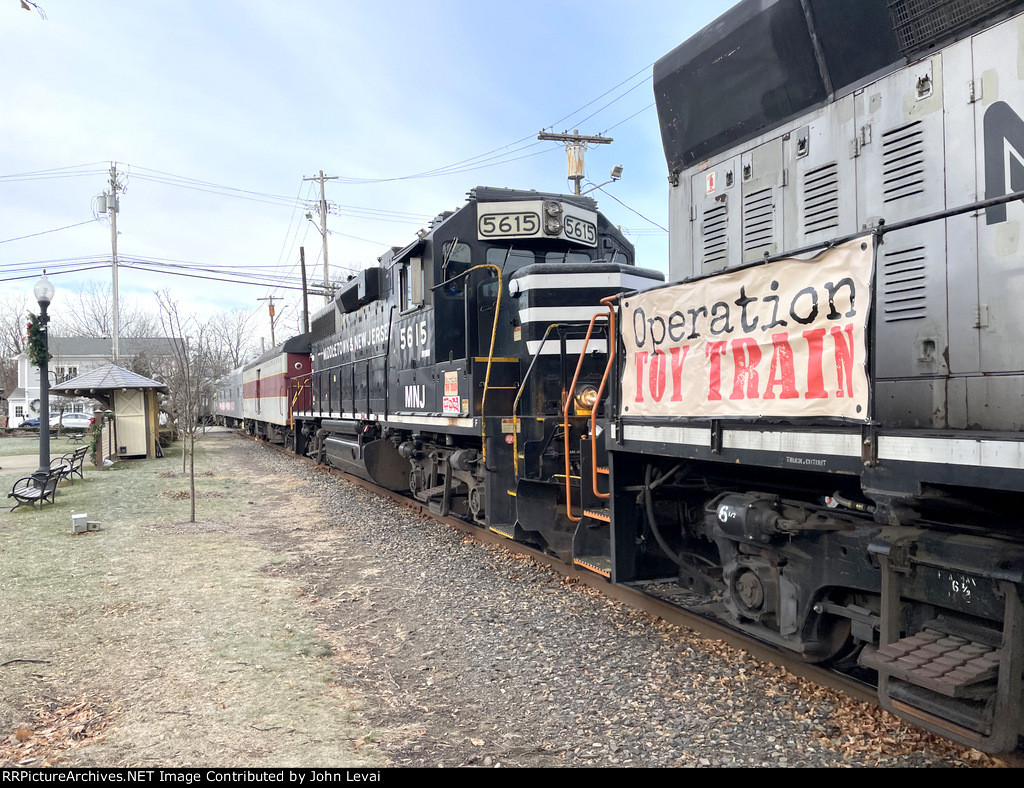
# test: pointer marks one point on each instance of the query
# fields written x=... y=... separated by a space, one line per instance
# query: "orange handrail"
x=612 y=341
x=565 y=421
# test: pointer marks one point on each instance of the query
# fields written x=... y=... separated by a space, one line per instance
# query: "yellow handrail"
x=300 y=385
x=490 y=356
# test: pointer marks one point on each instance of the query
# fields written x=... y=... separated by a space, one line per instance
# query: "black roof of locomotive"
x=495 y=194
x=483 y=194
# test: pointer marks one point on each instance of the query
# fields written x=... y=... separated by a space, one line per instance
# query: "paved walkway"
x=21 y=462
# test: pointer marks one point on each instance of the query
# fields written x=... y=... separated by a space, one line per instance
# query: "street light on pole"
x=44 y=292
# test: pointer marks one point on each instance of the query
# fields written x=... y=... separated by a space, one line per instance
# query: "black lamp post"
x=43 y=292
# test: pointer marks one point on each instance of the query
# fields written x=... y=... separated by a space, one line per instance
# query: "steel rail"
x=637 y=600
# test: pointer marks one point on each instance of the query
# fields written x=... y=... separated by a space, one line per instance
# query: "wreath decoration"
x=38 y=354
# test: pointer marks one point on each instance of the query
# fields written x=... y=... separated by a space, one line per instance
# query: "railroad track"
x=637 y=599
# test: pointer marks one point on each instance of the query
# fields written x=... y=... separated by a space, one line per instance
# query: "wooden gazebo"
x=132 y=398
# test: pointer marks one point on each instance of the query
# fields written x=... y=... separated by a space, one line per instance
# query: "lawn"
x=173 y=631
x=29 y=444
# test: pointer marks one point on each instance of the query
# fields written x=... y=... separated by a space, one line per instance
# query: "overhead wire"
x=628 y=208
x=514 y=151
x=46 y=232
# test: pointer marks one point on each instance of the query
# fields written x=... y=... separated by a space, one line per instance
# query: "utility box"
x=79 y=523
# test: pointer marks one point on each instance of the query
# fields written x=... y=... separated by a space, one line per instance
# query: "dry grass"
x=207 y=659
x=29 y=444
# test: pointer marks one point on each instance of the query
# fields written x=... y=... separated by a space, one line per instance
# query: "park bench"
x=29 y=490
x=67 y=465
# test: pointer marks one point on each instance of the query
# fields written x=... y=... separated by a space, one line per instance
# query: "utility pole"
x=323 y=227
x=305 y=295
x=113 y=205
x=575 y=147
x=273 y=343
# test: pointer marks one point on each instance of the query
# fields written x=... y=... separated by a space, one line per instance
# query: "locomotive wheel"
x=835 y=643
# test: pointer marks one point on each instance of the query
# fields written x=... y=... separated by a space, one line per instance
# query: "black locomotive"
x=816 y=429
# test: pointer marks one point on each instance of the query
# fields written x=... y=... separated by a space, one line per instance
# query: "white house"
x=71 y=357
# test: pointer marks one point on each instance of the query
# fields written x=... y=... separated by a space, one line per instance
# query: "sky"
x=217 y=111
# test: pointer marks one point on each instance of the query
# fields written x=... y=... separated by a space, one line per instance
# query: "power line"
x=56 y=172
x=45 y=232
x=634 y=210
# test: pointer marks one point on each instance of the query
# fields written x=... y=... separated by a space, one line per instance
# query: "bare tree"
x=189 y=379
x=234 y=340
x=90 y=313
x=13 y=319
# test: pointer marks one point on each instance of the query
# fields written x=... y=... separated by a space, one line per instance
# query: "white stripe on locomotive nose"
x=552 y=314
x=579 y=281
x=553 y=347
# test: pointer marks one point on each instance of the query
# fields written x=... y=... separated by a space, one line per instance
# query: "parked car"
x=72 y=421
x=34 y=421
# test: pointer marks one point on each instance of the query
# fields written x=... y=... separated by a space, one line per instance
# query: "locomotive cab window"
x=509 y=260
x=577 y=258
x=457 y=259
x=411 y=283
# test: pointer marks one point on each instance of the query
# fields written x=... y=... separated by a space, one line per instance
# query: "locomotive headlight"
x=552 y=217
x=585 y=400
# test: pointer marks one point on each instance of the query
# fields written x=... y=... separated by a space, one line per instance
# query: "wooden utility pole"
x=270 y=305
x=305 y=295
x=575 y=147
x=113 y=205
x=323 y=226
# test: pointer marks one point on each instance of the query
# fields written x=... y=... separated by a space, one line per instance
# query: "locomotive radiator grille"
x=903 y=162
x=758 y=220
x=713 y=231
x=821 y=199
x=920 y=24
x=903 y=284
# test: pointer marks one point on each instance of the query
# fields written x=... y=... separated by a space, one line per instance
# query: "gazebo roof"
x=108 y=378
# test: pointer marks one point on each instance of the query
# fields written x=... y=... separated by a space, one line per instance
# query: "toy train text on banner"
x=786 y=339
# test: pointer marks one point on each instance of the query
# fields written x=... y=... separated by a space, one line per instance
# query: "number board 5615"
x=580 y=230
x=504 y=225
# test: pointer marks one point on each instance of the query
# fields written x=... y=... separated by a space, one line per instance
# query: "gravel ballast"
x=467 y=654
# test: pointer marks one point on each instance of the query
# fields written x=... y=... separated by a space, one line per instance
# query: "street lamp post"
x=43 y=292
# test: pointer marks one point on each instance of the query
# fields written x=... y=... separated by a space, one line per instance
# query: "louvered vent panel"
x=713 y=232
x=903 y=284
x=758 y=220
x=921 y=24
x=903 y=162
x=821 y=199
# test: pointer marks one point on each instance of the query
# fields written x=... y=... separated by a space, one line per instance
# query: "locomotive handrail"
x=387 y=357
x=612 y=341
x=565 y=419
x=299 y=382
x=519 y=394
x=342 y=365
x=490 y=351
x=880 y=231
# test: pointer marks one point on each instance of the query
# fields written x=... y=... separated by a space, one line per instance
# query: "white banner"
x=787 y=339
